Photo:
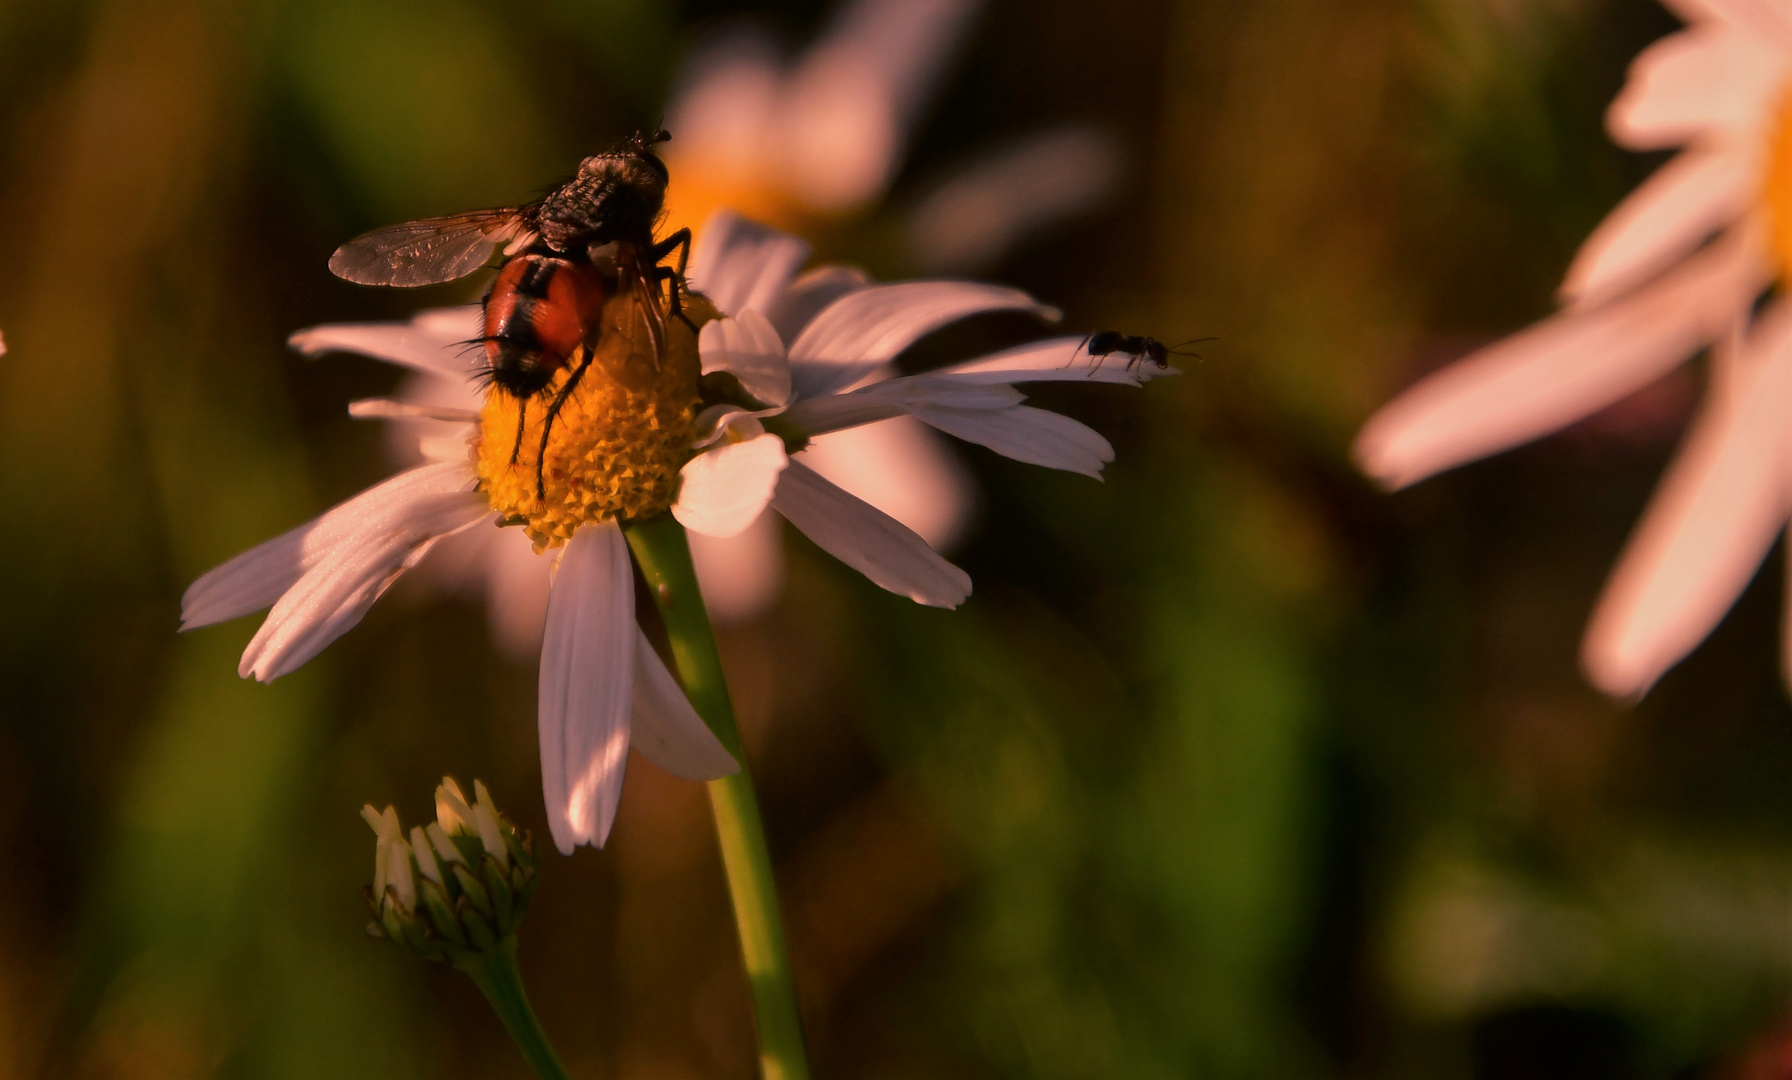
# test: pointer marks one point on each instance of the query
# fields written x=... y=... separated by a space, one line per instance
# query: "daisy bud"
x=456 y=888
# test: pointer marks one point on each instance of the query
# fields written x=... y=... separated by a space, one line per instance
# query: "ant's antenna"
x=1179 y=350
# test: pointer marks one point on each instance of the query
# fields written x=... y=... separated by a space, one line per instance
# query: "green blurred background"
x=1231 y=767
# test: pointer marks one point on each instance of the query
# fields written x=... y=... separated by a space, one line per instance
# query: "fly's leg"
x=522 y=410
x=647 y=296
x=680 y=242
x=547 y=425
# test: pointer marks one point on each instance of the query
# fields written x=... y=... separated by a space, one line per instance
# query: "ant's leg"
x=547 y=425
x=522 y=410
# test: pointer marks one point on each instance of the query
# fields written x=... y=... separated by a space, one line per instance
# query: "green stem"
x=496 y=975
x=665 y=560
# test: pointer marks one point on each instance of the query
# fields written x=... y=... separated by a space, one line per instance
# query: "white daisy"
x=796 y=357
x=1678 y=266
x=795 y=139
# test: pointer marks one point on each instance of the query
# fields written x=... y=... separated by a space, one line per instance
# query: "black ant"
x=1137 y=349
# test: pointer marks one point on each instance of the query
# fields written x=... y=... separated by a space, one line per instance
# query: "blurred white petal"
x=724 y=489
x=343 y=580
x=860 y=332
x=258 y=577
x=1761 y=18
x=856 y=93
x=1708 y=80
x=517 y=589
x=1711 y=522
x=436 y=341
x=978 y=216
x=724 y=109
x=904 y=468
x=1560 y=370
x=587 y=686
x=748 y=348
x=411 y=440
x=741 y=576
x=666 y=729
x=741 y=265
x=1694 y=195
x=868 y=540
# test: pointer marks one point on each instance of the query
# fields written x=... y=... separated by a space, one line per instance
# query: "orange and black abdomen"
x=536 y=316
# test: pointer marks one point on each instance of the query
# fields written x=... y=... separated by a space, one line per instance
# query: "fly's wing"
x=430 y=250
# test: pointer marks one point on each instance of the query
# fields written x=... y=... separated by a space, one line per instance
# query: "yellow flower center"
x=618 y=441
x=1779 y=187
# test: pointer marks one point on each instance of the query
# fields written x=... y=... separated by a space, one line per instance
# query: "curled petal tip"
x=301 y=341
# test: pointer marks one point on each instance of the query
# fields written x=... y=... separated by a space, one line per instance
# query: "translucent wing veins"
x=429 y=250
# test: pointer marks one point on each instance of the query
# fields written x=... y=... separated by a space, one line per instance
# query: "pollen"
x=618 y=441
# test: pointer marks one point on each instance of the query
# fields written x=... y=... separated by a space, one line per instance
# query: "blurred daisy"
x=783 y=359
x=1680 y=265
x=820 y=136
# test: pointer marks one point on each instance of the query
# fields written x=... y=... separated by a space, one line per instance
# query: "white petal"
x=255 y=579
x=863 y=330
x=587 y=686
x=345 y=580
x=1713 y=519
x=1709 y=80
x=1035 y=436
x=868 y=540
x=1062 y=359
x=389 y=409
x=741 y=265
x=667 y=730
x=904 y=468
x=1562 y=369
x=810 y=293
x=722 y=490
x=989 y=414
x=1696 y=194
x=411 y=441
x=438 y=342
x=880 y=401
x=837 y=412
x=748 y=348
x=1014 y=191
x=932 y=390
